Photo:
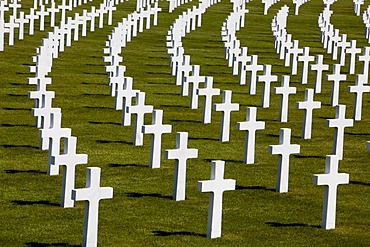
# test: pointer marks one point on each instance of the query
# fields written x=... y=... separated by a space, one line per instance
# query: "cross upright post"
x=92 y=194
x=339 y=123
x=226 y=107
x=181 y=154
x=157 y=128
x=217 y=186
x=330 y=179
x=251 y=125
x=284 y=150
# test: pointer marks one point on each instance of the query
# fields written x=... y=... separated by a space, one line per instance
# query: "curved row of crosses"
x=332 y=42
x=49 y=119
x=121 y=89
x=20 y=20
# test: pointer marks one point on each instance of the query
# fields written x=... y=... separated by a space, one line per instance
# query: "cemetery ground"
x=142 y=212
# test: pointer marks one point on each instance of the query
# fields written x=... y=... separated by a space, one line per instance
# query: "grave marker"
x=92 y=194
x=319 y=67
x=285 y=90
x=359 y=89
x=336 y=77
x=69 y=159
x=305 y=58
x=226 y=107
x=208 y=92
x=267 y=78
x=339 y=123
x=331 y=179
x=181 y=154
x=284 y=150
x=140 y=109
x=251 y=125
x=308 y=105
x=217 y=185
x=157 y=128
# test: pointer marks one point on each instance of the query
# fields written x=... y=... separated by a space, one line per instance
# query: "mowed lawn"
x=142 y=212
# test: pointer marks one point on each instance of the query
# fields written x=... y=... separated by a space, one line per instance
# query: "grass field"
x=142 y=212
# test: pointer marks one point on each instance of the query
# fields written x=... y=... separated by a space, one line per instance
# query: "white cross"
x=305 y=58
x=208 y=92
x=32 y=17
x=50 y=139
x=285 y=46
x=69 y=159
x=253 y=67
x=42 y=13
x=242 y=58
x=116 y=82
x=226 y=107
x=294 y=51
x=140 y=109
x=331 y=179
x=181 y=154
x=3 y=9
x=319 y=67
x=63 y=7
x=157 y=128
x=251 y=126
x=195 y=79
x=358 y=90
x=21 y=21
x=217 y=185
x=93 y=14
x=284 y=150
x=365 y=59
x=333 y=44
x=285 y=90
x=42 y=108
x=11 y=25
x=267 y=78
x=52 y=10
x=333 y=38
x=176 y=59
x=343 y=45
x=183 y=70
x=339 y=123
x=92 y=194
x=15 y=5
x=3 y=30
x=308 y=105
x=125 y=96
x=336 y=77
x=352 y=50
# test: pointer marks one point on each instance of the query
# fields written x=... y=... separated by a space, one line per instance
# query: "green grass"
x=141 y=213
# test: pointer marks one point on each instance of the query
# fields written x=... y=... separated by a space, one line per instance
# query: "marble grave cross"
x=284 y=150
x=181 y=154
x=217 y=185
